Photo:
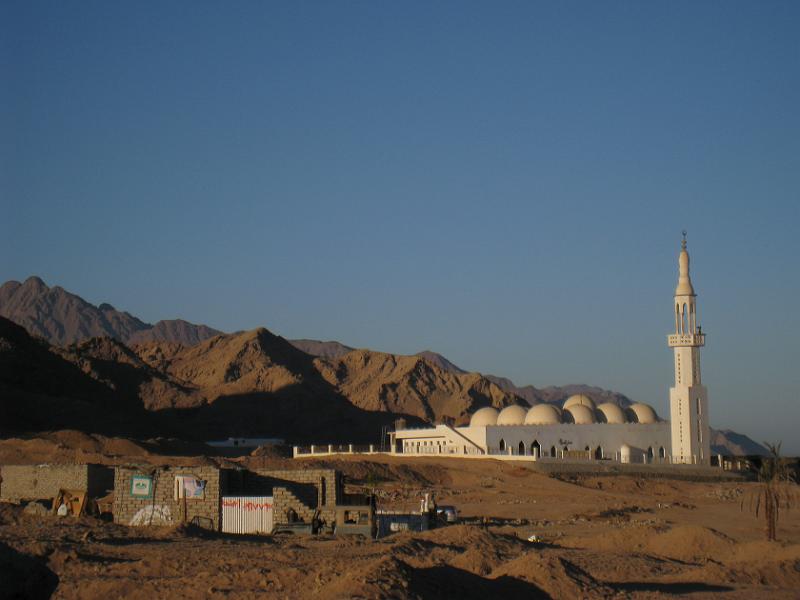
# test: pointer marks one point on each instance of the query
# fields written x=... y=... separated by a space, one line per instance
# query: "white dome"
x=543 y=414
x=483 y=417
x=608 y=412
x=579 y=399
x=511 y=415
x=642 y=413
x=581 y=414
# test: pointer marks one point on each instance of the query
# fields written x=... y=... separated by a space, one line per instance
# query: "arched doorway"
x=536 y=449
x=662 y=454
x=650 y=454
x=522 y=448
x=502 y=445
x=552 y=451
x=598 y=453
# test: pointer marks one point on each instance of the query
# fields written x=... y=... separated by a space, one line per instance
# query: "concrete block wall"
x=290 y=491
x=323 y=479
x=283 y=500
x=40 y=482
x=162 y=508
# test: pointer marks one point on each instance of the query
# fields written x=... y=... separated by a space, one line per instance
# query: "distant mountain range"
x=62 y=318
x=105 y=371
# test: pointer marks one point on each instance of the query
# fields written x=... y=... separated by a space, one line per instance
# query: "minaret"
x=688 y=399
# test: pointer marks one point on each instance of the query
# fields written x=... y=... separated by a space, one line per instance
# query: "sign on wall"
x=187 y=486
x=141 y=486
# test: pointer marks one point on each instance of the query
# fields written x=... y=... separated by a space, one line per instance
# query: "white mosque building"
x=582 y=430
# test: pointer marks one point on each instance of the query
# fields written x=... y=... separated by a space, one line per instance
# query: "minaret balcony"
x=686 y=339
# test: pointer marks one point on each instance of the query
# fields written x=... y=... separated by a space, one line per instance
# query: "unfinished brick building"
x=156 y=495
x=153 y=496
x=23 y=483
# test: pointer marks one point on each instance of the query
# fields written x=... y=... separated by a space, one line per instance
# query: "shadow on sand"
x=448 y=582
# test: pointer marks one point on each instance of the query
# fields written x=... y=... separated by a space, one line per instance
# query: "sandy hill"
x=63 y=318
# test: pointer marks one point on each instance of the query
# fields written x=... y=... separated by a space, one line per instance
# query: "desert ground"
x=599 y=537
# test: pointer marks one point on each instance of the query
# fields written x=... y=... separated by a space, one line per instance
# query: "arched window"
x=536 y=449
x=522 y=448
x=552 y=451
x=684 y=319
x=650 y=454
x=662 y=453
x=502 y=445
x=598 y=453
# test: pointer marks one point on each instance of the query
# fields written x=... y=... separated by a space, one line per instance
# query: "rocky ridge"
x=63 y=318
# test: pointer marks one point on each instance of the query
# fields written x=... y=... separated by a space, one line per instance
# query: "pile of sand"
x=691 y=543
x=555 y=575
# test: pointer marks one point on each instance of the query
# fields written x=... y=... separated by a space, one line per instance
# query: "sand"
x=601 y=537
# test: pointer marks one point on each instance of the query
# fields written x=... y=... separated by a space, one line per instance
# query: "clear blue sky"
x=504 y=183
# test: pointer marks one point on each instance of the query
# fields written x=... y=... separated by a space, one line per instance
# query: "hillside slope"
x=377 y=381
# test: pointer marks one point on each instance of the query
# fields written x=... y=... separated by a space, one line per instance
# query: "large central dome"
x=511 y=415
x=543 y=414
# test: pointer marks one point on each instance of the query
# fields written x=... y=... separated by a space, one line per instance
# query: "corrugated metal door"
x=247 y=514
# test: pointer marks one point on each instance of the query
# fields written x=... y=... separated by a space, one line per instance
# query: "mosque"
x=580 y=429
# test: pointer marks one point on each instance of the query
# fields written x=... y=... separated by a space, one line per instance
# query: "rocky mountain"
x=63 y=318
x=251 y=383
x=41 y=390
x=532 y=395
x=322 y=349
x=176 y=331
x=413 y=385
x=441 y=362
x=725 y=441
x=177 y=378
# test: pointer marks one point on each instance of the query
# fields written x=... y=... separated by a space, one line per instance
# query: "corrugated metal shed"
x=247 y=514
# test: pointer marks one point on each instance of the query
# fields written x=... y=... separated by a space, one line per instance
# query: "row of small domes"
x=578 y=409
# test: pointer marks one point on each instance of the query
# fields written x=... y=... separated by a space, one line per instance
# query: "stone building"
x=22 y=483
x=171 y=495
x=158 y=495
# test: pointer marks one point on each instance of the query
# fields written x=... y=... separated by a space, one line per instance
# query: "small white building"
x=252 y=443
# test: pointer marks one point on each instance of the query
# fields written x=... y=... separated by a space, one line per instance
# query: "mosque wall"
x=604 y=440
x=606 y=436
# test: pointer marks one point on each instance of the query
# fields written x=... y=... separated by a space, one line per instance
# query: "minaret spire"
x=684 y=280
x=688 y=397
